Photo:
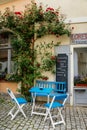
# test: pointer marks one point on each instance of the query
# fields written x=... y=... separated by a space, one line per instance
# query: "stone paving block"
x=75 y=118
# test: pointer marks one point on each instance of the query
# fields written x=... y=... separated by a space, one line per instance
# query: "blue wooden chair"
x=54 y=104
x=60 y=87
x=19 y=103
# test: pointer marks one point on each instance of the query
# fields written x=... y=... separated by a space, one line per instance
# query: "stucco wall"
x=75 y=8
x=80 y=27
x=72 y=9
x=19 y=5
x=75 y=11
x=12 y=85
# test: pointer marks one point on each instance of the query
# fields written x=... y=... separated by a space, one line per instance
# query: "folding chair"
x=19 y=103
x=56 y=104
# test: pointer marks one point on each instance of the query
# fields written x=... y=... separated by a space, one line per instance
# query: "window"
x=6 y=63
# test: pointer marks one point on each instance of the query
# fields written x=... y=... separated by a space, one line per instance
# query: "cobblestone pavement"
x=75 y=118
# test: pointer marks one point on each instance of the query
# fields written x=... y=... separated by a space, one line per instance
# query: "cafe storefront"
x=76 y=67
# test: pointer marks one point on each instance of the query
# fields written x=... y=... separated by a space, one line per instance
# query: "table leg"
x=33 y=106
x=48 y=99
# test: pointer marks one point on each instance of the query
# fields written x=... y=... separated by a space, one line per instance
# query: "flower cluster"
x=50 y=9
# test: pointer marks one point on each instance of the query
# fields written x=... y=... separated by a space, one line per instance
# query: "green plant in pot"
x=78 y=81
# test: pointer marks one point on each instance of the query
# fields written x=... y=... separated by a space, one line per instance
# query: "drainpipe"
x=71 y=76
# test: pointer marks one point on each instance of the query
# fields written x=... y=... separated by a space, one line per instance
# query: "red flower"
x=72 y=27
x=52 y=32
x=41 y=13
x=57 y=12
x=38 y=64
x=57 y=36
x=35 y=3
x=45 y=78
x=18 y=13
x=53 y=57
x=49 y=9
x=40 y=7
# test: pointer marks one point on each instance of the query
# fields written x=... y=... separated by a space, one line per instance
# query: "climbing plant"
x=25 y=28
x=47 y=59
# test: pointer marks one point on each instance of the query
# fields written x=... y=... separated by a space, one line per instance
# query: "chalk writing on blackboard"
x=62 y=67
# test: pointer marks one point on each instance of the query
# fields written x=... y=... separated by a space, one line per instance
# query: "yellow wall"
x=72 y=8
x=19 y=5
x=80 y=27
x=75 y=10
x=12 y=85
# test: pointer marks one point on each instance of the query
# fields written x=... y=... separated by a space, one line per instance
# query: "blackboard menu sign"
x=62 y=67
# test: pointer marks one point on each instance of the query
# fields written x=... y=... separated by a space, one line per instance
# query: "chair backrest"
x=58 y=97
x=45 y=84
x=61 y=87
x=12 y=95
x=58 y=86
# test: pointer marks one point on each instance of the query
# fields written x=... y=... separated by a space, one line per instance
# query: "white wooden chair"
x=19 y=103
x=55 y=104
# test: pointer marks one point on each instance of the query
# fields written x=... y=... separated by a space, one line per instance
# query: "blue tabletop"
x=40 y=90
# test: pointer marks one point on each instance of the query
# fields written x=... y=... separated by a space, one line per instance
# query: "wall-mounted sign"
x=62 y=68
x=80 y=38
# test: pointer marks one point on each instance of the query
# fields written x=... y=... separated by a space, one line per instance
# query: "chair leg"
x=46 y=114
x=51 y=120
x=62 y=121
x=19 y=110
x=11 y=112
x=15 y=114
x=33 y=106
